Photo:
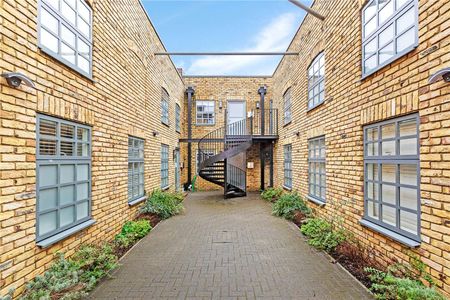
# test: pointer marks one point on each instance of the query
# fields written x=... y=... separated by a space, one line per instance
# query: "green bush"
x=163 y=204
x=132 y=231
x=8 y=296
x=322 y=235
x=386 y=286
x=72 y=278
x=287 y=205
x=272 y=194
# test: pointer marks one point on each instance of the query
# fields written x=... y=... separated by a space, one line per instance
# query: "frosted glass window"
x=135 y=168
x=394 y=23
x=287 y=105
x=399 y=170
x=164 y=166
x=177 y=118
x=317 y=175
x=63 y=180
x=62 y=25
x=316 y=81
x=287 y=165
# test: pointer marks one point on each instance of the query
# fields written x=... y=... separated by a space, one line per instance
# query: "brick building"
x=352 y=123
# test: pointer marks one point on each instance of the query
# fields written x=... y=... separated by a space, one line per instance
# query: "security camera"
x=443 y=74
x=15 y=79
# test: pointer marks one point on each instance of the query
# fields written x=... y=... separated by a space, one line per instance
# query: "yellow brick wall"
x=122 y=99
x=222 y=88
x=351 y=102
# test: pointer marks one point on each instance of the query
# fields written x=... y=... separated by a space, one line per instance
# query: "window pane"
x=49 y=21
x=48 y=199
x=388 y=173
x=82 y=191
x=82 y=210
x=370 y=48
x=386 y=35
x=389 y=215
x=47 y=127
x=47 y=147
x=408 y=198
x=388 y=131
x=388 y=148
x=370 y=11
x=47 y=175
x=400 y=3
x=406 y=40
x=66 y=194
x=386 y=53
x=83 y=48
x=386 y=11
x=408 y=221
x=408 y=147
x=372 y=172
x=405 y=21
x=408 y=174
x=370 y=63
x=372 y=134
x=68 y=12
x=372 y=149
x=67 y=53
x=67 y=216
x=84 y=27
x=82 y=172
x=47 y=222
x=67 y=173
x=83 y=63
x=388 y=194
x=83 y=11
x=49 y=40
x=370 y=27
x=67 y=148
x=53 y=3
x=68 y=36
x=373 y=210
x=408 y=128
x=82 y=149
x=372 y=191
x=83 y=134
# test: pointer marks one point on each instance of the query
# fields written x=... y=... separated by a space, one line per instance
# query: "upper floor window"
x=65 y=32
x=287 y=107
x=165 y=107
x=316 y=81
x=177 y=118
x=390 y=30
x=205 y=112
x=392 y=175
x=135 y=168
x=316 y=172
x=63 y=183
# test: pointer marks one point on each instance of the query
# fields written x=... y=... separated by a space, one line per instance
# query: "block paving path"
x=227 y=249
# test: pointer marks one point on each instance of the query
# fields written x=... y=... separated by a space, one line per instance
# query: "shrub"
x=322 y=235
x=271 y=194
x=132 y=231
x=8 y=296
x=386 y=286
x=287 y=205
x=94 y=262
x=163 y=204
x=69 y=279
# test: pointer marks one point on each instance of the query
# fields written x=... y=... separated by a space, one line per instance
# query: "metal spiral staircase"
x=222 y=152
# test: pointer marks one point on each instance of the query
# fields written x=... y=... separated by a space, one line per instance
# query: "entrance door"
x=177 y=169
x=236 y=112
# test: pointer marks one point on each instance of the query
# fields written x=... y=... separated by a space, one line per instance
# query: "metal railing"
x=270 y=122
x=236 y=177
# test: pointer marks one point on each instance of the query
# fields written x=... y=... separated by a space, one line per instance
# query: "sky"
x=225 y=26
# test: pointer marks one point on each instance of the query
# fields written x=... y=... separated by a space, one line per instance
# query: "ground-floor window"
x=63 y=183
x=288 y=166
x=316 y=168
x=164 y=166
x=392 y=175
x=135 y=168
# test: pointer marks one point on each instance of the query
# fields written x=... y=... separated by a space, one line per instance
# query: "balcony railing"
x=270 y=125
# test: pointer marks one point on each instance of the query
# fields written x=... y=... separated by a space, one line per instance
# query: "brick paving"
x=227 y=249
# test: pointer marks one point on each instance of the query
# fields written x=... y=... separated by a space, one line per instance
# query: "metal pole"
x=190 y=93
x=225 y=53
x=308 y=9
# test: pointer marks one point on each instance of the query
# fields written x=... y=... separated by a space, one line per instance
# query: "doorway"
x=236 y=112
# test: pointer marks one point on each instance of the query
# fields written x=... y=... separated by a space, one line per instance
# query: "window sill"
x=166 y=124
x=165 y=188
x=316 y=106
x=62 y=235
x=389 y=233
x=286 y=124
x=316 y=201
x=287 y=188
x=137 y=201
x=205 y=124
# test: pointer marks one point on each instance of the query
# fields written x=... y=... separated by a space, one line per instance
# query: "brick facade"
x=122 y=99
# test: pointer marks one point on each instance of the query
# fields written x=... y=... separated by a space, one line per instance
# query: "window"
x=135 y=169
x=205 y=112
x=177 y=118
x=392 y=175
x=316 y=172
x=288 y=166
x=165 y=107
x=390 y=30
x=164 y=166
x=65 y=33
x=63 y=184
x=287 y=107
x=316 y=81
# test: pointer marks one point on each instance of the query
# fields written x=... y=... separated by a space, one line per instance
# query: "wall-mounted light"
x=15 y=79
x=257 y=104
x=443 y=74
x=220 y=104
x=155 y=133
x=297 y=133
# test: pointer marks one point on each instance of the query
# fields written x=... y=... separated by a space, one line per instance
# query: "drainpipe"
x=190 y=93
x=262 y=92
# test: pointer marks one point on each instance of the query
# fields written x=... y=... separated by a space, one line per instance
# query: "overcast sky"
x=219 y=25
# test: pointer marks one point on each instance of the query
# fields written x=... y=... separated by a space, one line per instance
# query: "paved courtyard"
x=227 y=249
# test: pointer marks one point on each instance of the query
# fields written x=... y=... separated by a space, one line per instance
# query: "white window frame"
x=380 y=29
x=165 y=100
x=44 y=5
x=317 y=158
x=208 y=104
x=287 y=106
x=137 y=165
x=165 y=166
x=177 y=118
x=287 y=166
